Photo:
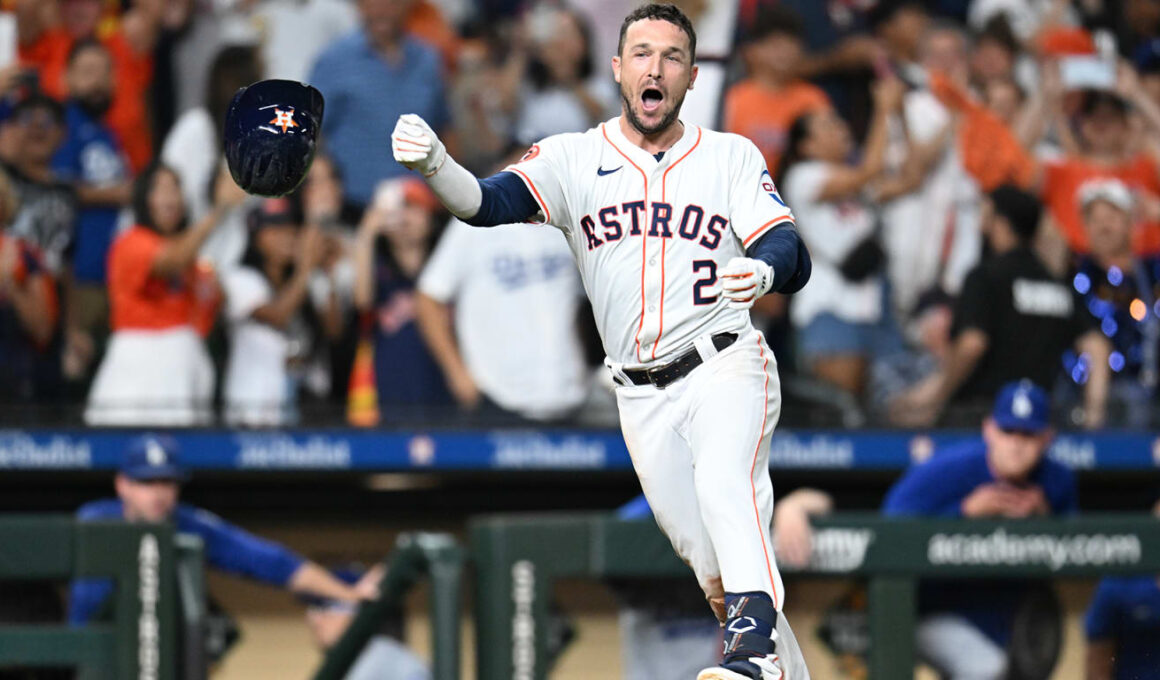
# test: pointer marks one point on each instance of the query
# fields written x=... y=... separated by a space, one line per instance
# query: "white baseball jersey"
x=650 y=235
x=516 y=293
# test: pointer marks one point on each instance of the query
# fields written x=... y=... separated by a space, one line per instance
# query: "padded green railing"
x=139 y=643
x=517 y=559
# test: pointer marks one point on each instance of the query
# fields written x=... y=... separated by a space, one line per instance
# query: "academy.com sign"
x=999 y=548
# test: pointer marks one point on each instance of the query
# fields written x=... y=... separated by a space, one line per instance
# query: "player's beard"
x=646 y=130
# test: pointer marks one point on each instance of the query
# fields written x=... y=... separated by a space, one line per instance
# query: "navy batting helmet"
x=271 y=132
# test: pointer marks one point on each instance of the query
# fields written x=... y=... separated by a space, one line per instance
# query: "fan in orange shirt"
x=993 y=155
x=156 y=370
x=1104 y=136
x=763 y=106
x=45 y=45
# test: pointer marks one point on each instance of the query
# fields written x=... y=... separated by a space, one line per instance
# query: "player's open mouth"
x=651 y=99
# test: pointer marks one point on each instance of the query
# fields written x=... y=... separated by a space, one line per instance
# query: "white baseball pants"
x=700 y=448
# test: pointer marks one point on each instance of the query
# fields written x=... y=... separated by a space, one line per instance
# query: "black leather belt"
x=663 y=376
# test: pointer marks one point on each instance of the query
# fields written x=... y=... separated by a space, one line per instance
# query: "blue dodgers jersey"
x=227 y=547
x=1126 y=610
x=92 y=156
x=936 y=488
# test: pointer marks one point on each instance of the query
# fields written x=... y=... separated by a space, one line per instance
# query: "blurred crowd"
x=978 y=182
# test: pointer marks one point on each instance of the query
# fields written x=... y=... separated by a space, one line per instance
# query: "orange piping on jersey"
x=661 y=331
x=664 y=176
x=407 y=141
x=761 y=230
x=753 y=468
x=666 y=173
x=643 y=235
x=543 y=206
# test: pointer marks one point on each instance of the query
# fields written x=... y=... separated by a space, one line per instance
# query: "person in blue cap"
x=1123 y=627
x=148 y=488
x=965 y=628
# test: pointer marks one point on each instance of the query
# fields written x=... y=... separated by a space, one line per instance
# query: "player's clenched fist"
x=744 y=280
x=416 y=145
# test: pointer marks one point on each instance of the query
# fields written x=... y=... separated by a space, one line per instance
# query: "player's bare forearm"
x=808 y=501
x=314 y=580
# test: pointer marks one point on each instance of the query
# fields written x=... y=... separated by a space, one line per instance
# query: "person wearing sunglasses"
x=965 y=628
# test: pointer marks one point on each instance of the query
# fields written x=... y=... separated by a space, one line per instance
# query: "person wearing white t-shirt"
x=511 y=293
x=264 y=304
x=838 y=316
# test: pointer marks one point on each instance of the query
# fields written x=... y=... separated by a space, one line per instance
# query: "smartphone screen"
x=7 y=39
x=1088 y=72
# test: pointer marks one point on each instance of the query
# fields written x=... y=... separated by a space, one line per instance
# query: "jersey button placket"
x=654 y=275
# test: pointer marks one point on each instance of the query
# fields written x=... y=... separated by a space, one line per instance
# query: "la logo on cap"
x=1021 y=404
x=154 y=453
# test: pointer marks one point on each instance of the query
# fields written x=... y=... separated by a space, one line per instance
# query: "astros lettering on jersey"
x=671 y=222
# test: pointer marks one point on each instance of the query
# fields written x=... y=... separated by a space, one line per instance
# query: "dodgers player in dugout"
x=148 y=488
x=676 y=231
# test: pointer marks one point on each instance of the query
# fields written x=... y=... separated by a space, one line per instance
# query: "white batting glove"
x=744 y=280
x=417 y=146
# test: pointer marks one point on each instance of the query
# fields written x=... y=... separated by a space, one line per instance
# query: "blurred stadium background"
x=346 y=365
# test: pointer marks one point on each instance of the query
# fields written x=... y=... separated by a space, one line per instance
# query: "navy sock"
x=751 y=612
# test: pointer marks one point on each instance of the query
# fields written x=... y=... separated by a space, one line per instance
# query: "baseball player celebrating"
x=676 y=231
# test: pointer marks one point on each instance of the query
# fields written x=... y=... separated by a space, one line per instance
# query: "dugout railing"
x=437 y=557
x=140 y=642
x=517 y=559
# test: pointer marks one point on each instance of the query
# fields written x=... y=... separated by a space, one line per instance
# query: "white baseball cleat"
x=718 y=673
x=765 y=669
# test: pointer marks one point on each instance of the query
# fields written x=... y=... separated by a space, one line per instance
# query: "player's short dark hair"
x=774 y=20
x=1021 y=210
x=663 y=12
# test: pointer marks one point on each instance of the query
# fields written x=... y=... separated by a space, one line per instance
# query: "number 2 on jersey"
x=699 y=297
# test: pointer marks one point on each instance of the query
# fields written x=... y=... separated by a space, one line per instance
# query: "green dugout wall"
x=140 y=643
x=517 y=559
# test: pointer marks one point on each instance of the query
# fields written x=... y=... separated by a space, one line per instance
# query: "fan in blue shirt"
x=1123 y=628
x=91 y=159
x=375 y=74
x=148 y=486
x=1006 y=475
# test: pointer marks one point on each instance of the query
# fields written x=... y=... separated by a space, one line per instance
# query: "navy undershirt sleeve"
x=782 y=248
x=505 y=200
